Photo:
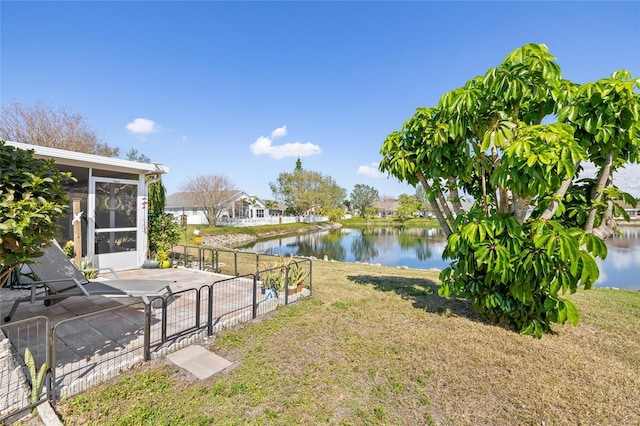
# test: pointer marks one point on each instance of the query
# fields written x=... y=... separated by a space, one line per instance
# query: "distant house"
x=241 y=209
x=633 y=212
x=386 y=207
x=180 y=204
x=240 y=205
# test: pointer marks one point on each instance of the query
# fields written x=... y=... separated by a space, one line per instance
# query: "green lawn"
x=377 y=345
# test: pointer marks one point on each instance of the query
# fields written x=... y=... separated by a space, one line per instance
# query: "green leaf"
x=573 y=316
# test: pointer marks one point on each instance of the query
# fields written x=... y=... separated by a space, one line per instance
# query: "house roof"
x=81 y=159
x=179 y=200
x=182 y=199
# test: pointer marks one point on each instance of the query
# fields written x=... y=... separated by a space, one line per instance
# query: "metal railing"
x=89 y=349
x=226 y=261
x=15 y=380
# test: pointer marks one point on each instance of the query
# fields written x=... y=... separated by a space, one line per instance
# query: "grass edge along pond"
x=377 y=345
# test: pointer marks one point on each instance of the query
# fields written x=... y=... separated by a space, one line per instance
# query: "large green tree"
x=362 y=198
x=31 y=201
x=514 y=142
x=307 y=191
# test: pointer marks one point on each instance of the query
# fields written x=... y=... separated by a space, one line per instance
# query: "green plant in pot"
x=285 y=273
x=297 y=276
x=163 y=230
x=163 y=233
x=163 y=259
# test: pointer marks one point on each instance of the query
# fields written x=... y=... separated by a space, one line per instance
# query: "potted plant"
x=163 y=259
x=163 y=229
x=297 y=276
x=271 y=284
x=285 y=272
x=163 y=233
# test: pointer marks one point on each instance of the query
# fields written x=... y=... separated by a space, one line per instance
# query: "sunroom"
x=107 y=213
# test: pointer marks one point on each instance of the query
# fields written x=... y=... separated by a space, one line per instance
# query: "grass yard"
x=377 y=345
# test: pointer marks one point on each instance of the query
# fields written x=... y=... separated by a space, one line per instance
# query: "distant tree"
x=211 y=193
x=335 y=214
x=421 y=196
x=304 y=191
x=60 y=129
x=271 y=204
x=408 y=207
x=134 y=155
x=362 y=198
x=253 y=202
x=31 y=201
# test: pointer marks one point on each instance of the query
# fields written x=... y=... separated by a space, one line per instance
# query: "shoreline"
x=236 y=240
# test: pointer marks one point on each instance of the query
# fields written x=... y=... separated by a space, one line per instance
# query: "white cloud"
x=371 y=171
x=142 y=126
x=279 y=132
x=264 y=146
x=628 y=179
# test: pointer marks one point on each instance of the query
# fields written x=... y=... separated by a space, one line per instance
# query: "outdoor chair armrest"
x=110 y=269
x=35 y=283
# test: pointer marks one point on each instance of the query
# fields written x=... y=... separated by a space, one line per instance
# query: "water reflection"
x=422 y=249
x=414 y=248
x=622 y=266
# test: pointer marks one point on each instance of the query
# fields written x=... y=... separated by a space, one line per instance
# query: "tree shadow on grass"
x=424 y=294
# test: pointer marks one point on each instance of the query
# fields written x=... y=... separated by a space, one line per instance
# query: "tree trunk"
x=604 y=174
x=484 y=193
x=560 y=193
x=609 y=226
x=444 y=205
x=446 y=227
x=520 y=208
x=455 y=196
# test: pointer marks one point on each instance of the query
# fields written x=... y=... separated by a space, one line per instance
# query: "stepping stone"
x=199 y=361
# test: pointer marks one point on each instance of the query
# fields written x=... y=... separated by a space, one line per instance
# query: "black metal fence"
x=227 y=261
x=15 y=380
x=89 y=349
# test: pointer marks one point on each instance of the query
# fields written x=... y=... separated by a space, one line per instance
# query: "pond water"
x=422 y=249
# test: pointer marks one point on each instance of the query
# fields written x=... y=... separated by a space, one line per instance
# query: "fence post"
x=310 y=277
x=257 y=261
x=49 y=355
x=198 y=298
x=185 y=256
x=255 y=295
x=286 y=285
x=147 y=331
x=235 y=263
x=210 y=311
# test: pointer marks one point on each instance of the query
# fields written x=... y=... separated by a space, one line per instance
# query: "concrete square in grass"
x=199 y=361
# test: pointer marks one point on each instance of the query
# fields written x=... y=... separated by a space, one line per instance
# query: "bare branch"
x=211 y=193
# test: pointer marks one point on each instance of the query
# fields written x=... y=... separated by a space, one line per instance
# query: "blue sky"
x=242 y=89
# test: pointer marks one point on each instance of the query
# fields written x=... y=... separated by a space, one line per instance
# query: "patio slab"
x=199 y=361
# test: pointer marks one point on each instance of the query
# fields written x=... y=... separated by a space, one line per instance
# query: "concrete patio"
x=98 y=337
